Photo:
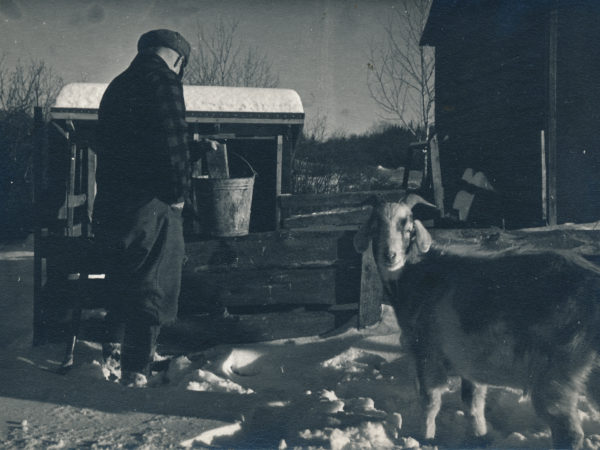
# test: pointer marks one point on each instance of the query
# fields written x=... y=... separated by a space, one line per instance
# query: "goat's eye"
x=401 y=224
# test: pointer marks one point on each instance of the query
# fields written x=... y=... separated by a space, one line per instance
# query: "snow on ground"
x=353 y=389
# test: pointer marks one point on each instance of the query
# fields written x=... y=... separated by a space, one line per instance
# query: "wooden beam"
x=436 y=174
x=271 y=286
x=271 y=250
x=544 y=176
x=371 y=292
x=71 y=201
x=71 y=189
x=38 y=156
x=278 y=181
x=342 y=217
x=62 y=132
x=286 y=171
x=315 y=202
x=91 y=185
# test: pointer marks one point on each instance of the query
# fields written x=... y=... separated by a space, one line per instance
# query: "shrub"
x=348 y=163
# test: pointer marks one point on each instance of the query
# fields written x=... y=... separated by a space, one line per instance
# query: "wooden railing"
x=344 y=209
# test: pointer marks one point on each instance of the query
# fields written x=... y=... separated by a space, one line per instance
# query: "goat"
x=527 y=319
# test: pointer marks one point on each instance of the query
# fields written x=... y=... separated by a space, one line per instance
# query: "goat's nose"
x=390 y=256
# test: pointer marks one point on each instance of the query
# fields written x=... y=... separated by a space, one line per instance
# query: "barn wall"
x=578 y=142
x=490 y=103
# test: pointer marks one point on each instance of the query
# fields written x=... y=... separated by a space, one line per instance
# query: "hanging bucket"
x=223 y=205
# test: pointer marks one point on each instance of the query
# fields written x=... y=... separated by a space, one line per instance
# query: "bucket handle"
x=254 y=172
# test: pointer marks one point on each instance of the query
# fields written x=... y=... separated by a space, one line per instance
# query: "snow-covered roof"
x=85 y=98
x=197 y=98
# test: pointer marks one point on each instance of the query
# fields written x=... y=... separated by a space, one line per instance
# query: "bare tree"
x=22 y=87
x=27 y=85
x=401 y=72
x=218 y=58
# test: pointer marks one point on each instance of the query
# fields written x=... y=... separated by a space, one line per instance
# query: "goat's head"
x=396 y=237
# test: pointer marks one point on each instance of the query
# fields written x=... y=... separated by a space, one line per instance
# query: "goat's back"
x=502 y=316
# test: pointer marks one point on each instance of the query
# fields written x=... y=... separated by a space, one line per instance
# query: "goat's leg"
x=473 y=395
x=593 y=385
x=433 y=383
x=556 y=401
x=432 y=403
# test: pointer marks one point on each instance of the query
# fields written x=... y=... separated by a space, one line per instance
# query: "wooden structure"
x=262 y=125
x=517 y=98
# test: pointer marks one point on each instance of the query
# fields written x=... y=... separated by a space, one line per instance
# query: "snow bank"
x=197 y=98
x=352 y=390
x=365 y=436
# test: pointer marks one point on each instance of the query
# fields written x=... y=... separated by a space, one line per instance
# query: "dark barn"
x=517 y=98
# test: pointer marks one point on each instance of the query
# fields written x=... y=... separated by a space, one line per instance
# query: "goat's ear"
x=363 y=236
x=423 y=237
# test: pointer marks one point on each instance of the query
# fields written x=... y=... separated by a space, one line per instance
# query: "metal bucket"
x=223 y=205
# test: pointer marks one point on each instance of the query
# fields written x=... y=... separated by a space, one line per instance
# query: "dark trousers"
x=139 y=342
x=145 y=252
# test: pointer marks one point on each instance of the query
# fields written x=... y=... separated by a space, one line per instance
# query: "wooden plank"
x=38 y=156
x=71 y=190
x=216 y=162
x=72 y=201
x=286 y=170
x=197 y=136
x=415 y=179
x=258 y=287
x=284 y=120
x=202 y=330
x=436 y=174
x=289 y=249
x=338 y=217
x=544 y=176
x=316 y=202
x=92 y=162
x=278 y=178
x=371 y=292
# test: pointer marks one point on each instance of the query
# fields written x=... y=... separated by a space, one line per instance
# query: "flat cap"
x=165 y=38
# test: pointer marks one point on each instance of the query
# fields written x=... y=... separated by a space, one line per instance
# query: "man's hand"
x=178 y=206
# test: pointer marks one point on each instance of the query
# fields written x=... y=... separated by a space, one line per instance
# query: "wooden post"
x=91 y=186
x=544 y=177
x=286 y=170
x=38 y=154
x=436 y=174
x=71 y=190
x=70 y=210
x=552 y=117
x=278 y=178
x=371 y=291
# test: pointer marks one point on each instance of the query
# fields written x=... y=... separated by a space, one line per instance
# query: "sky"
x=319 y=48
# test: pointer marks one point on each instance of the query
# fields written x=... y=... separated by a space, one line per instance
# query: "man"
x=143 y=180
